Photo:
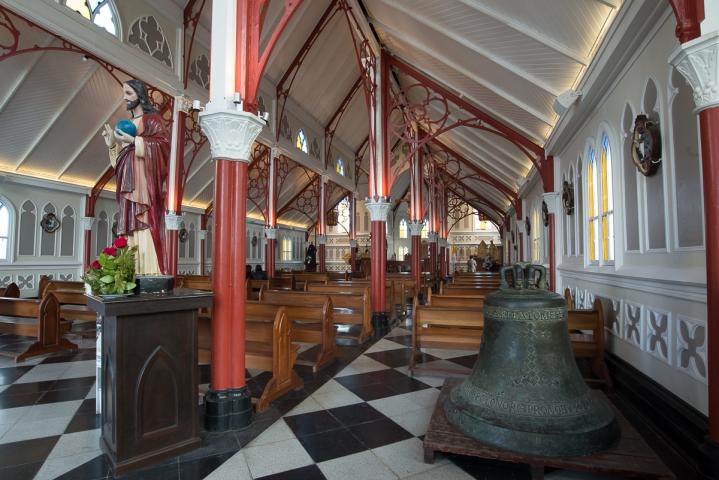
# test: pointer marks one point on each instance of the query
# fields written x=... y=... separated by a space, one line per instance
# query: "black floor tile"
x=168 y=471
x=9 y=374
x=332 y=444
x=28 y=388
x=405 y=340
x=201 y=467
x=20 y=472
x=53 y=396
x=379 y=433
x=372 y=391
x=213 y=444
x=81 y=423
x=311 y=423
x=399 y=357
x=490 y=469
x=26 y=451
x=380 y=384
x=310 y=472
x=466 y=361
x=356 y=414
x=96 y=469
x=66 y=383
x=13 y=401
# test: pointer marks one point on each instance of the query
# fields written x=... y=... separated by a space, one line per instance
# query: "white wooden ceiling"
x=510 y=58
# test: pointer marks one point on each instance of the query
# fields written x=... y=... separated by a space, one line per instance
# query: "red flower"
x=120 y=242
x=96 y=265
x=111 y=251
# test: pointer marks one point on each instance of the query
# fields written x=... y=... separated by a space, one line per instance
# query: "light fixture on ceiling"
x=565 y=100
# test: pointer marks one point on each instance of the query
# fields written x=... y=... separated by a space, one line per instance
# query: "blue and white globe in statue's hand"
x=126 y=126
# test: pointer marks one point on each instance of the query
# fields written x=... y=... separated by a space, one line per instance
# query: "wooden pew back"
x=473 y=303
x=11 y=291
x=466 y=291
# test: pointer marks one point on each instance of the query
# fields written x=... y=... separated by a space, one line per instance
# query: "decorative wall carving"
x=200 y=71
x=147 y=35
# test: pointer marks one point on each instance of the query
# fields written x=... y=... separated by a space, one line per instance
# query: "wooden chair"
x=38 y=318
x=269 y=347
x=445 y=327
x=312 y=320
x=352 y=306
x=11 y=291
x=590 y=345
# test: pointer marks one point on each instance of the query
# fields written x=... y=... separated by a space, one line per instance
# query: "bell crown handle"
x=523 y=275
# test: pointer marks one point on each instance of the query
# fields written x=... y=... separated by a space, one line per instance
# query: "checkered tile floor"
x=362 y=418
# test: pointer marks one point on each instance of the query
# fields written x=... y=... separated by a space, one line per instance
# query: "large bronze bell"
x=525 y=393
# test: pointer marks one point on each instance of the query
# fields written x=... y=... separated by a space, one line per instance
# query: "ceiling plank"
x=537 y=82
x=24 y=75
x=80 y=85
x=426 y=49
x=89 y=138
x=202 y=190
x=525 y=29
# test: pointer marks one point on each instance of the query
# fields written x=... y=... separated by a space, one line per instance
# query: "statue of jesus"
x=141 y=167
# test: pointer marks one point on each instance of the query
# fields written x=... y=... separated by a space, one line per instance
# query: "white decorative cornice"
x=552 y=199
x=321 y=239
x=173 y=221
x=183 y=103
x=432 y=237
x=698 y=61
x=231 y=133
x=353 y=243
x=87 y=222
x=378 y=209
x=203 y=234
x=415 y=228
x=271 y=233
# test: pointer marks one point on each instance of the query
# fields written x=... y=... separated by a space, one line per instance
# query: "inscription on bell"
x=500 y=313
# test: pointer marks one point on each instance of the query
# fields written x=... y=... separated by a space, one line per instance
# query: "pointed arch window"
x=607 y=205
x=301 y=141
x=593 y=206
x=4 y=231
x=340 y=167
x=286 y=249
x=423 y=233
x=102 y=13
x=403 y=228
x=536 y=237
x=600 y=204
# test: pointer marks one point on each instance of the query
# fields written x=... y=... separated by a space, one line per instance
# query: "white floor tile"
x=384 y=345
x=415 y=422
x=398 y=332
x=3 y=387
x=233 y=469
x=362 y=364
x=360 y=466
x=337 y=398
x=84 y=368
x=444 y=472
x=37 y=429
x=431 y=380
x=406 y=402
x=277 y=432
x=55 y=467
x=308 y=405
x=446 y=353
x=406 y=458
x=77 y=443
x=276 y=457
x=41 y=373
x=93 y=391
x=10 y=416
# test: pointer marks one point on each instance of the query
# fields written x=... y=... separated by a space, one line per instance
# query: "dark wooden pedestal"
x=149 y=376
x=631 y=458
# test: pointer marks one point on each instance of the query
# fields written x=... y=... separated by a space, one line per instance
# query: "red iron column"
x=173 y=217
x=415 y=228
x=271 y=228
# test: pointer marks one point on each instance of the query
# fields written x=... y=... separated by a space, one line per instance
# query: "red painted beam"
x=334 y=122
x=190 y=21
x=689 y=14
x=287 y=206
x=477 y=195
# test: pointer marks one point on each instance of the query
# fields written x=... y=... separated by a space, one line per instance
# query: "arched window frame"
x=403 y=228
x=6 y=256
x=286 y=249
x=423 y=233
x=607 y=201
x=301 y=141
x=402 y=250
x=600 y=202
x=340 y=167
x=593 y=196
x=95 y=7
x=537 y=227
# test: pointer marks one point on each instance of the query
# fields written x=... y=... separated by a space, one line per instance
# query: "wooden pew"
x=46 y=281
x=38 y=318
x=269 y=347
x=466 y=291
x=254 y=287
x=352 y=306
x=389 y=295
x=457 y=328
x=312 y=320
x=473 y=303
x=11 y=291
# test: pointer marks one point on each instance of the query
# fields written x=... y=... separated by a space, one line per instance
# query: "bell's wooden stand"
x=631 y=458
x=149 y=376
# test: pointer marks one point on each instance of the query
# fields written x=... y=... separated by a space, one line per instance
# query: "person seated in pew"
x=248 y=272
x=259 y=274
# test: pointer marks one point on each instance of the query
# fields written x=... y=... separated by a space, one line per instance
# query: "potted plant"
x=113 y=273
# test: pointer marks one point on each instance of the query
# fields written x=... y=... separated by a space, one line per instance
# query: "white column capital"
x=415 y=228
x=173 y=221
x=271 y=233
x=553 y=201
x=698 y=61
x=353 y=243
x=87 y=222
x=203 y=234
x=432 y=237
x=321 y=239
x=183 y=103
x=231 y=133
x=378 y=208
x=275 y=151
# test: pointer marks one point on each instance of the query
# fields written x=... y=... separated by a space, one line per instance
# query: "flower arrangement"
x=114 y=271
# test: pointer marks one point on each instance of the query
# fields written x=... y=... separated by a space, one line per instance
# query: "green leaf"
x=107 y=279
x=130 y=286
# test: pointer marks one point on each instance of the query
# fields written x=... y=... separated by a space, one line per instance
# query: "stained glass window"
x=301 y=141
x=607 y=210
x=593 y=205
x=4 y=231
x=340 y=167
x=536 y=237
x=403 y=228
x=286 y=249
x=100 y=12
x=343 y=215
x=423 y=234
x=401 y=252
